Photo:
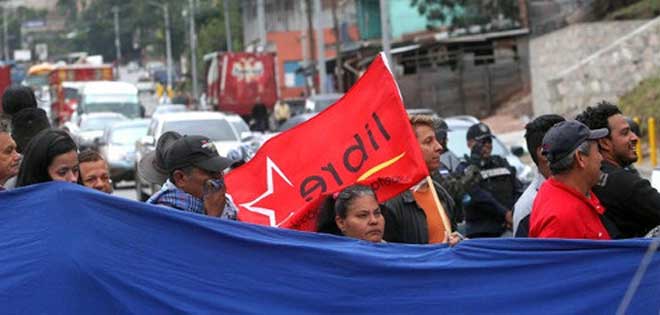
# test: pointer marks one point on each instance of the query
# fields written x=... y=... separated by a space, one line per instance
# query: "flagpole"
x=438 y=205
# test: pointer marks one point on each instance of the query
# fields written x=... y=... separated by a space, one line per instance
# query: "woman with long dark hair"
x=50 y=155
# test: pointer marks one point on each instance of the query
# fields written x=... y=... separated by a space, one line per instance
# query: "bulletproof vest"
x=497 y=178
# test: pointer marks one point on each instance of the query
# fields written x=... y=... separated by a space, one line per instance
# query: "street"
x=126 y=190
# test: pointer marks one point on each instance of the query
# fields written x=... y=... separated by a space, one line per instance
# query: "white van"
x=110 y=96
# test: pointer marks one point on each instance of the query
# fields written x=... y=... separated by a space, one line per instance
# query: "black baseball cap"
x=198 y=151
x=563 y=138
x=441 y=128
x=151 y=167
x=479 y=131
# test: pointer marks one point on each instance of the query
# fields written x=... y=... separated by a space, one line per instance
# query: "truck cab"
x=110 y=96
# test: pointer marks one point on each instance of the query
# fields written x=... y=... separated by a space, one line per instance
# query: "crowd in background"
x=586 y=186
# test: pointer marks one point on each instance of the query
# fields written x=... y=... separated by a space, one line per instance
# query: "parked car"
x=169 y=108
x=90 y=127
x=117 y=146
x=215 y=125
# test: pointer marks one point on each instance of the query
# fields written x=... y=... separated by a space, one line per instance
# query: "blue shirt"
x=171 y=196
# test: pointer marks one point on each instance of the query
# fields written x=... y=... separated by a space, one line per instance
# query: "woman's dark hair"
x=338 y=206
x=536 y=129
x=16 y=98
x=40 y=153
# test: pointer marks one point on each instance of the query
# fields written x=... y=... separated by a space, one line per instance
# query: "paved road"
x=126 y=190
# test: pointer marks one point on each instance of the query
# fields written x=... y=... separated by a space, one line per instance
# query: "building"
x=440 y=65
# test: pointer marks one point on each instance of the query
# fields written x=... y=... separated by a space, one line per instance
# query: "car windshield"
x=99 y=123
x=127 y=135
x=240 y=126
x=214 y=129
x=458 y=144
x=126 y=105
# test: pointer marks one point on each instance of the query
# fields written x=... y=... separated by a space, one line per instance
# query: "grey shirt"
x=450 y=160
x=523 y=206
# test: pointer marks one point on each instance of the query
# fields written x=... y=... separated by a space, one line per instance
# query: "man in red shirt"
x=565 y=206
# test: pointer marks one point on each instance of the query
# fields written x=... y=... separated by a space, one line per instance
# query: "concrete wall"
x=573 y=67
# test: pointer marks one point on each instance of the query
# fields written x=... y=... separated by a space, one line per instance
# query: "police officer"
x=488 y=205
x=456 y=184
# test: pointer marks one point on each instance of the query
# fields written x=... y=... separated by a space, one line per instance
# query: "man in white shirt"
x=535 y=130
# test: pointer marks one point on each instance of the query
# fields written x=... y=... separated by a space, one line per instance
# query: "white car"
x=223 y=129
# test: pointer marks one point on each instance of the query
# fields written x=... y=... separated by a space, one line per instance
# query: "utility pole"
x=115 y=11
x=385 y=31
x=320 y=46
x=339 y=70
x=193 y=51
x=261 y=24
x=168 y=45
x=5 y=42
x=227 y=26
x=307 y=5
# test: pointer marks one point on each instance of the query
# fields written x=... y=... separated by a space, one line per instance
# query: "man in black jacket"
x=411 y=217
x=489 y=205
x=631 y=204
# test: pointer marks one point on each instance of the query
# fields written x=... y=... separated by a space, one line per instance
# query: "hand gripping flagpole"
x=429 y=181
x=438 y=205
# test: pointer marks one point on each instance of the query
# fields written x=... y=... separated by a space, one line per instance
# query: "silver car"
x=117 y=146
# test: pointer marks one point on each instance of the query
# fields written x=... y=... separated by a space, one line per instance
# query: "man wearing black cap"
x=565 y=206
x=195 y=178
x=489 y=205
x=630 y=201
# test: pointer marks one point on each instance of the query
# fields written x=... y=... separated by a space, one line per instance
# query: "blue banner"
x=65 y=249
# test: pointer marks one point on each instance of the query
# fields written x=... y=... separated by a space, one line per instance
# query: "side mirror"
x=147 y=141
x=517 y=151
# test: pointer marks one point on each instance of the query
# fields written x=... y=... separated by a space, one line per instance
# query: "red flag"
x=365 y=137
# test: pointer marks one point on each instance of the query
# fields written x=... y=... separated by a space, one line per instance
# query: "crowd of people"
x=586 y=186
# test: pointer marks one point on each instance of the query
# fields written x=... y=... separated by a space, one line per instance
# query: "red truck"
x=65 y=98
x=236 y=81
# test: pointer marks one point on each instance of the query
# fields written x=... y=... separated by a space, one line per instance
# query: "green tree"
x=464 y=13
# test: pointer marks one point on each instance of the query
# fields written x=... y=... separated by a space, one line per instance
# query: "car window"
x=126 y=105
x=127 y=135
x=240 y=126
x=214 y=129
x=458 y=144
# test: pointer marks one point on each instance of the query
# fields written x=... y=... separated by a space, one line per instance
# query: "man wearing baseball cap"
x=565 y=206
x=488 y=204
x=195 y=180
